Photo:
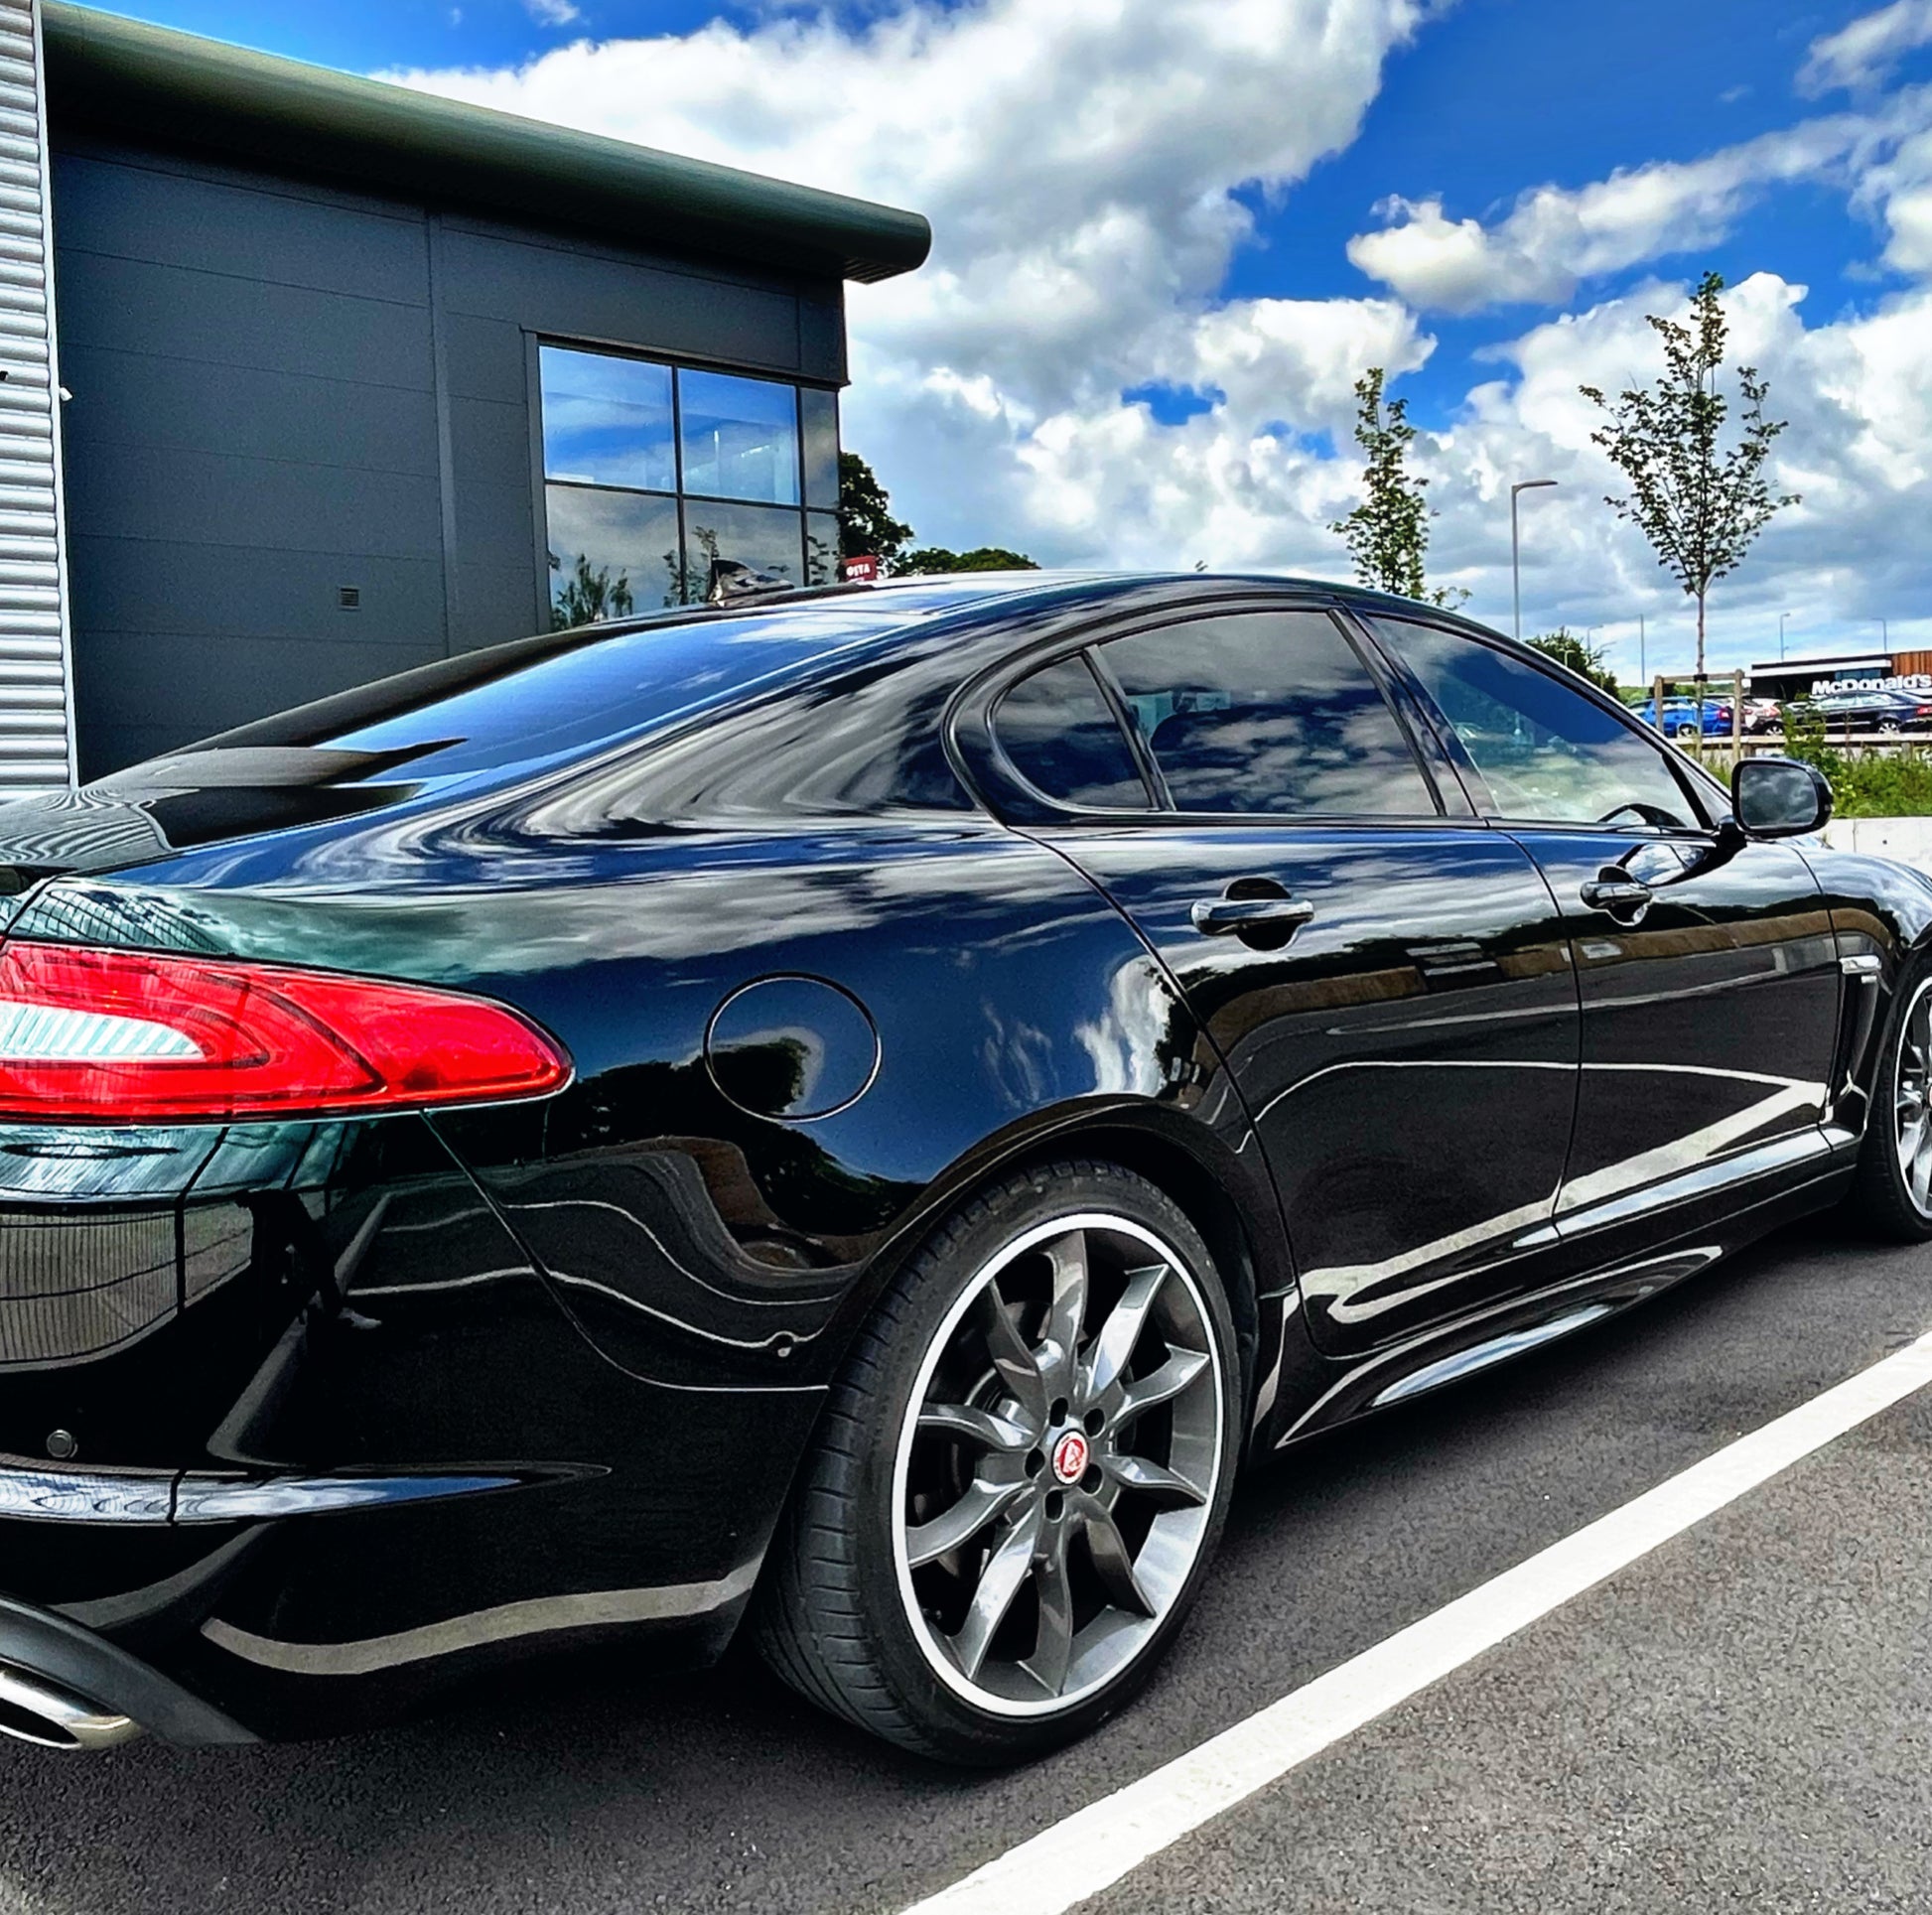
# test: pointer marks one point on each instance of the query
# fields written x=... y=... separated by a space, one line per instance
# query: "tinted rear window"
x=1062 y=737
x=546 y=698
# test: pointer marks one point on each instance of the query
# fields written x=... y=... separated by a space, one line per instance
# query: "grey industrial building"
x=350 y=378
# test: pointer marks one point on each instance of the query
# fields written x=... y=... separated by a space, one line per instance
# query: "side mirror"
x=1779 y=797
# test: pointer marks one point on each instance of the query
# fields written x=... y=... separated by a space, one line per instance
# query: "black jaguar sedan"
x=854 y=1117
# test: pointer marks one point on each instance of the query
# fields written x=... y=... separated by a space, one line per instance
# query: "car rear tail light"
x=130 y=1036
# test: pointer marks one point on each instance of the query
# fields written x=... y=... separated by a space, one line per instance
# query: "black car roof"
x=509 y=710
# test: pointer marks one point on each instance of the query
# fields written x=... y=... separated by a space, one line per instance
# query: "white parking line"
x=1094 y=1848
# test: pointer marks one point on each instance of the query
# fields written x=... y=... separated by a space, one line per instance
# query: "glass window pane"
x=610 y=554
x=1545 y=752
x=819 y=414
x=1268 y=712
x=741 y=436
x=1062 y=737
x=764 y=537
x=607 y=420
x=526 y=701
x=821 y=548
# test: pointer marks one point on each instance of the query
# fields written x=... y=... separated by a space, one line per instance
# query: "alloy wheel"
x=1058 y=1464
x=1913 y=1099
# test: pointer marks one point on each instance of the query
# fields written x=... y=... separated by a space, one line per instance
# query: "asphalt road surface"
x=1741 y=1719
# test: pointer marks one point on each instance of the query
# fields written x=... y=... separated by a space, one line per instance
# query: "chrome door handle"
x=1616 y=896
x=1227 y=916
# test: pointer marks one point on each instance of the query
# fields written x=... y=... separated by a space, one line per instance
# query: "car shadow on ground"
x=592 y=1783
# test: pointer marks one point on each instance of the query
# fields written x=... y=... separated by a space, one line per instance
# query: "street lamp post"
x=1516 y=547
x=1782 y=617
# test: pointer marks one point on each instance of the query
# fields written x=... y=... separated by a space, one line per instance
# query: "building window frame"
x=812 y=522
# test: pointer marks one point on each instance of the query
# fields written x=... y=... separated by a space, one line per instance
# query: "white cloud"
x=1080 y=161
x=1865 y=53
x=1899 y=191
x=1555 y=238
x=1077 y=157
x=554 y=13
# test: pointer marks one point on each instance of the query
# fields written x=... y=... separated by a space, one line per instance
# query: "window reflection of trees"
x=620 y=455
x=1545 y=752
x=587 y=594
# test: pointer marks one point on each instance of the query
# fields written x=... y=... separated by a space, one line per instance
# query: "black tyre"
x=1020 y=1478
x=1891 y=1193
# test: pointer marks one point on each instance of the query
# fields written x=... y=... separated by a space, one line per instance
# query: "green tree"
x=982 y=558
x=1387 y=534
x=867 y=527
x=587 y=594
x=1585 y=660
x=1700 y=501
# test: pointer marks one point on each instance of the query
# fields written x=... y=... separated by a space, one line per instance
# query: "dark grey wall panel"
x=210 y=686
x=133 y=210
x=220 y=320
x=199 y=592
x=151 y=399
x=578 y=292
x=497 y=529
x=491 y=436
x=821 y=336
x=281 y=390
x=483 y=359
x=271 y=506
x=498 y=599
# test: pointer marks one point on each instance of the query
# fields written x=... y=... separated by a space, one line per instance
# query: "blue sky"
x=1173 y=233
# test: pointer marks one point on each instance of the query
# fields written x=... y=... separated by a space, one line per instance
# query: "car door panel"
x=1409 y=1054
x=1706 y=972
x=1710 y=1025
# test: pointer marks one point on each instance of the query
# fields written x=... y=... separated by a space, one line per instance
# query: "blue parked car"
x=1681 y=717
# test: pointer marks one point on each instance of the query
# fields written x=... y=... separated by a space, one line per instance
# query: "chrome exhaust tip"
x=35 y=1710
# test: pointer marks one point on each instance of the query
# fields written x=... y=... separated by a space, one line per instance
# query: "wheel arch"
x=1224 y=1194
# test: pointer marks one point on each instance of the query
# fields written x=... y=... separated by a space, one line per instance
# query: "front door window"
x=1546 y=752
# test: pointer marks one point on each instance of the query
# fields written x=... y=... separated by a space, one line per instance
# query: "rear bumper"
x=47 y=1661
x=294 y=1434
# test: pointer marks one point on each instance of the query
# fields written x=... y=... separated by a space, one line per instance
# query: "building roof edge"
x=183 y=88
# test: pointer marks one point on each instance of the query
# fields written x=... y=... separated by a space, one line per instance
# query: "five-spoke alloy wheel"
x=1023 y=1474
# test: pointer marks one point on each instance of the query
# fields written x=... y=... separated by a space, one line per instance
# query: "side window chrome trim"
x=970 y=723
x=1160 y=799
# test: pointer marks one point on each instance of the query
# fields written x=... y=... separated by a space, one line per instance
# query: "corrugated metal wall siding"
x=35 y=707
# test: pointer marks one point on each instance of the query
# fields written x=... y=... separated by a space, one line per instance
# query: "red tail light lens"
x=129 y=1036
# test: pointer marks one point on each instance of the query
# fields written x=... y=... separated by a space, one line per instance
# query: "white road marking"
x=1099 y=1845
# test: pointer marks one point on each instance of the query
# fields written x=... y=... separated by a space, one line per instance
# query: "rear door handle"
x=1621 y=897
x=1228 y=917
